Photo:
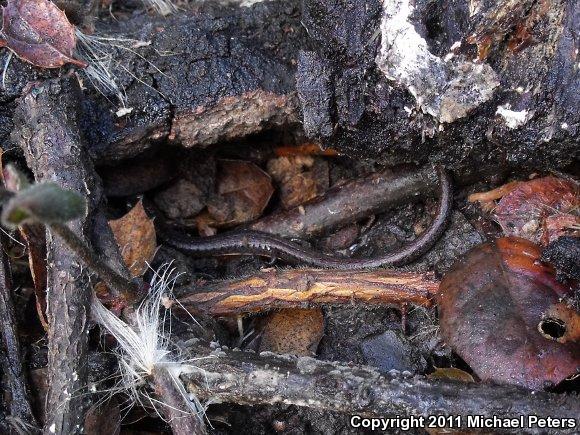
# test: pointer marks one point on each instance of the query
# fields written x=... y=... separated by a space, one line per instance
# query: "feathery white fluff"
x=144 y=347
x=163 y=7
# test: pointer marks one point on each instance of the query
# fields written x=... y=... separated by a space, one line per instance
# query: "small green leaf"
x=46 y=203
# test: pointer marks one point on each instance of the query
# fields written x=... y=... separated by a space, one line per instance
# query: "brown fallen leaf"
x=35 y=237
x=540 y=210
x=299 y=178
x=243 y=192
x=500 y=310
x=135 y=235
x=293 y=331
x=39 y=32
x=559 y=225
x=181 y=200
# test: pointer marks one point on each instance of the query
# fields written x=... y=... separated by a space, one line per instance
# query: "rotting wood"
x=304 y=288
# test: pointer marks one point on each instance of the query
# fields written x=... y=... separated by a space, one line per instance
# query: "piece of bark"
x=244 y=60
x=52 y=143
x=13 y=368
x=198 y=78
x=225 y=73
x=249 y=379
x=400 y=83
x=305 y=288
x=349 y=202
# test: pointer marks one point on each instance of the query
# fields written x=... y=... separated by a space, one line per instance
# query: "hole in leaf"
x=552 y=328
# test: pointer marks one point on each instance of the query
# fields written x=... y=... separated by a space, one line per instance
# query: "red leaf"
x=500 y=311
x=39 y=33
x=523 y=211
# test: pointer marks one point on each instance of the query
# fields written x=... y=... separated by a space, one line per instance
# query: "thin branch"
x=300 y=288
x=115 y=281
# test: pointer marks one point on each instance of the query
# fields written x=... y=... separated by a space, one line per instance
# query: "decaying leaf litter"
x=263 y=129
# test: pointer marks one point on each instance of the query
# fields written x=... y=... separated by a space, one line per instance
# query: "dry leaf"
x=243 y=192
x=299 y=178
x=293 y=331
x=181 y=200
x=500 y=311
x=38 y=32
x=135 y=235
x=35 y=237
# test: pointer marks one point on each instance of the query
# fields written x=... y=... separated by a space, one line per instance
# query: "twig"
x=248 y=379
x=349 y=202
x=182 y=421
x=302 y=288
x=52 y=143
x=12 y=364
x=114 y=281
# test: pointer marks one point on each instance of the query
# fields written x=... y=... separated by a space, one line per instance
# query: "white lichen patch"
x=445 y=90
x=512 y=118
x=123 y=111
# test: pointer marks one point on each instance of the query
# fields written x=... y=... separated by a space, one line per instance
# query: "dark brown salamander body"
x=259 y=243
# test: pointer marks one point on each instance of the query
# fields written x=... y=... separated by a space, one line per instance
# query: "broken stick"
x=349 y=202
x=303 y=288
x=246 y=378
x=50 y=138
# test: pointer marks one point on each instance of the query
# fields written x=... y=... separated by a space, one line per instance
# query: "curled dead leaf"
x=135 y=235
x=500 y=310
x=39 y=32
x=243 y=192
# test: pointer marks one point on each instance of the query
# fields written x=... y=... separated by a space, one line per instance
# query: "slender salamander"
x=259 y=243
